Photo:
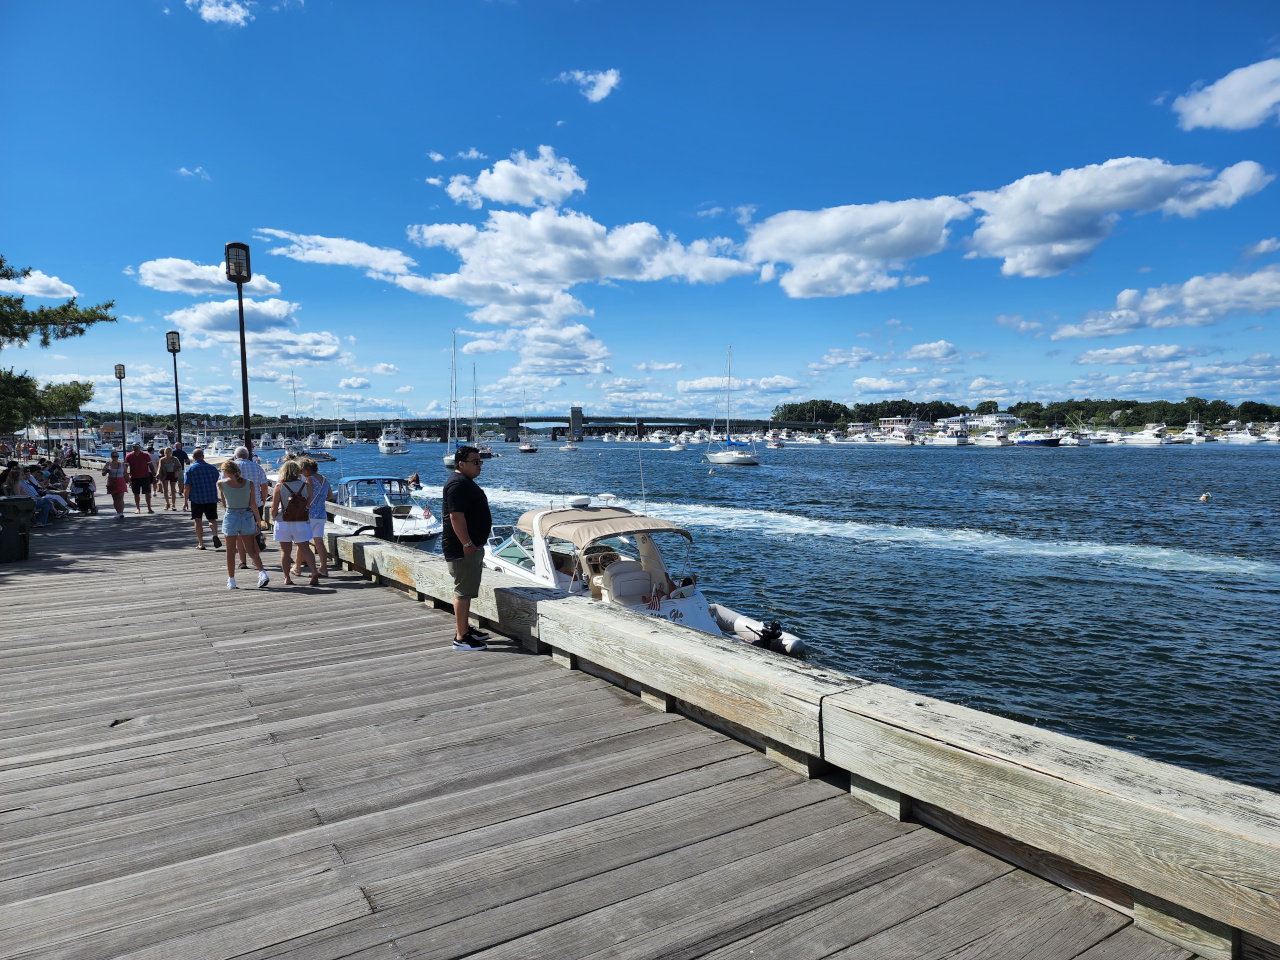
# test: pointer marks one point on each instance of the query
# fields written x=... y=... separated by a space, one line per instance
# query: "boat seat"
x=625 y=581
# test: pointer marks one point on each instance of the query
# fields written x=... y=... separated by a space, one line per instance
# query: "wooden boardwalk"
x=187 y=772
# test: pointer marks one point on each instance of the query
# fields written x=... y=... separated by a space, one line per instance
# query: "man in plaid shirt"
x=200 y=489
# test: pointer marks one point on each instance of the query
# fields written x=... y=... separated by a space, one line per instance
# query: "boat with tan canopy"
x=610 y=554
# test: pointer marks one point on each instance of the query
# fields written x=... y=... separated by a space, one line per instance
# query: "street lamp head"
x=173 y=342
x=119 y=371
x=238 y=263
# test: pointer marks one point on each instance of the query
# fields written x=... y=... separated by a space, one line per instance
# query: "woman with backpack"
x=291 y=510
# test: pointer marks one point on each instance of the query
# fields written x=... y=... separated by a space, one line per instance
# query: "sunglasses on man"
x=478 y=463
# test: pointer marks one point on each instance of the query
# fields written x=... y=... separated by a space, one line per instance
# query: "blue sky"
x=1001 y=202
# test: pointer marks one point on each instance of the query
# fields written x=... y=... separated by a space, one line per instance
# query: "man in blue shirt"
x=201 y=491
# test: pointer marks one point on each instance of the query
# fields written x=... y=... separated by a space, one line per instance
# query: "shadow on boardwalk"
x=316 y=773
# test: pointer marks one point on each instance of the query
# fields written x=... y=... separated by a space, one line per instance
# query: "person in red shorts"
x=141 y=473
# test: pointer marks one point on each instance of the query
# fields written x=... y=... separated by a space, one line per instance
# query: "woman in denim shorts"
x=241 y=521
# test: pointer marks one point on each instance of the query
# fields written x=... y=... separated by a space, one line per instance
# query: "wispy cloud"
x=199 y=173
x=595 y=85
x=232 y=12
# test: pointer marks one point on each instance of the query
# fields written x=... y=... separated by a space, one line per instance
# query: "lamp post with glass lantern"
x=173 y=343
x=238 y=272
x=123 y=434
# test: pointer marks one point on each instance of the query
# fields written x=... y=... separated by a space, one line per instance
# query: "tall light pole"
x=174 y=345
x=123 y=432
x=238 y=272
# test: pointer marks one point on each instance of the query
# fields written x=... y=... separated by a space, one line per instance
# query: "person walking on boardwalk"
x=252 y=471
x=291 y=514
x=241 y=522
x=114 y=470
x=170 y=473
x=467 y=523
x=201 y=492
x=141 y=474
x=321 y=493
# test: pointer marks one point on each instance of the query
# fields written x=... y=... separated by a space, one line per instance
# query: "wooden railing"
x=1194 y=859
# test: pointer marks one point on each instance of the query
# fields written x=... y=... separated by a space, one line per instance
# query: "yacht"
x=335 y=441
x=999 y=437
x=1029 y=438
x=1194 y=432
x=1272 y=434
x=609 y=554
x=392 y=441
x=608 y=438
x=411 y=518
x=952 y=435
x=1153 y=435
x=1245 y=434
x=267 y=442
x=732 y=453
x=312 y=441
x=898 y=437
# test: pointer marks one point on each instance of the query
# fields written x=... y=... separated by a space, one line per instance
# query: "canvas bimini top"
x=584 y=525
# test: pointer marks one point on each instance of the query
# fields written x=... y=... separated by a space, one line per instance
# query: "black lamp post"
x=123 y=432
x=174 y=345
x=238 y=272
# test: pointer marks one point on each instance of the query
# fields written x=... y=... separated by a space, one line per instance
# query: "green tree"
x=1252 y=412
x=18 y=324
x=65 y=399
x=19 y=401
x=987 y=406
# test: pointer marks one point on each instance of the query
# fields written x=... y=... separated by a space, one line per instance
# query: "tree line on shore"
x=1111 y=413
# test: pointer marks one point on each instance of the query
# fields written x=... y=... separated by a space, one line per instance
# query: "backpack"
x=297 y=509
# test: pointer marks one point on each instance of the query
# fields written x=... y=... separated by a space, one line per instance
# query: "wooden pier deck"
x=292 y=772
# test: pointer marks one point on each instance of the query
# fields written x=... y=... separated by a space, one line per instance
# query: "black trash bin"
x=15 y=528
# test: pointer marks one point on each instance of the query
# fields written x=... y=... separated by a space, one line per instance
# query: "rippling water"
x=1085 y=590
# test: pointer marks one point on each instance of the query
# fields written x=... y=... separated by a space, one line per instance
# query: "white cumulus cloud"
x=595 y=85
x=1016 y=323
x=337 y=251
x=851 y=249
x=222 y=11
x=525 y=182
x=174 y=275
x=385 y=369
x=1199 y=302
x=1046 y=223
x=1140 y=354
x=865 y=385
x=353 y=383
x=1262 y=247
x=1244 y=98
x=404 y=389
x=717 y=385
x=270 y=331
x=36 y=284
x=940 y=351
x=852 y=357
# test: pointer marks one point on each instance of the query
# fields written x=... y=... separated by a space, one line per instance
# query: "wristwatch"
x=468 y=544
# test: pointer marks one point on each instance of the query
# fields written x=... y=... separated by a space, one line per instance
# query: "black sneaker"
x=475 y=634
x=217 y=543
x=469 y=643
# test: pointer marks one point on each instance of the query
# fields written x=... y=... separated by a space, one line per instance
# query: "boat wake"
x=786 y=525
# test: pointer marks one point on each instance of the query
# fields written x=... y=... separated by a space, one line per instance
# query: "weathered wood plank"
x=1202 y=843
x=775 y=696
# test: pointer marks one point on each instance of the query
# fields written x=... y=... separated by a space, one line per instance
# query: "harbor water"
x=1090 y=591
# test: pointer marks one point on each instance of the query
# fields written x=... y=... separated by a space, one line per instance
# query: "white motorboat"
x=335 y=441
x=898 y=437
x=411 y=518
x=569 y=446
x=678 y=447
x=952 y=435
x=774 y=445
x=392 y=441
x=1245 y=434
x=313 y=441
x=732 y=453
x=1153 y=435
x=1194 y=432
x=1271 y=435
x=609 y=554
x=999 y=437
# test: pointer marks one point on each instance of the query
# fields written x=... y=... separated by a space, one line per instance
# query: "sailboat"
x=526 y=443
x=732 y=453
x=486 y=451
x=450 y=457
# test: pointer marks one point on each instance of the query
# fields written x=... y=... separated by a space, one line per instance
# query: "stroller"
x=82 y=491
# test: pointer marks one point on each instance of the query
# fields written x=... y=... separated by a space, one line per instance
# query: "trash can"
x=15 y=528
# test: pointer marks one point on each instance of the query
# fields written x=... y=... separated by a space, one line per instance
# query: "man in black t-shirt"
x=467 y=523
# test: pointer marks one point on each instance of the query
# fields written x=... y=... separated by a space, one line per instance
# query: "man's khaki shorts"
x=466 y=575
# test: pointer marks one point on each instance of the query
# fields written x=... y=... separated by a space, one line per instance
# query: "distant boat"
x=392 y=441
x=1028 y=439
x=526 y=443
x=727 y=456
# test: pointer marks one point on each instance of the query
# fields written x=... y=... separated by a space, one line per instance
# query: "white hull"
x=403 y=528
x=728 y=458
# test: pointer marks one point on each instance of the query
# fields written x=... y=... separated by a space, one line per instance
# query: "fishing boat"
x=392 y=441
x=1194 y=432
x=411 y=518
x=608 y=553
x=732 y=453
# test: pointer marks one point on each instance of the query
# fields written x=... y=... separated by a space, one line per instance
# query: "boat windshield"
x=378 y=493
x=518 y=549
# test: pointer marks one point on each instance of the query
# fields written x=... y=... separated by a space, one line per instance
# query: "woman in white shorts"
x=291 y=511
x=321 y=493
